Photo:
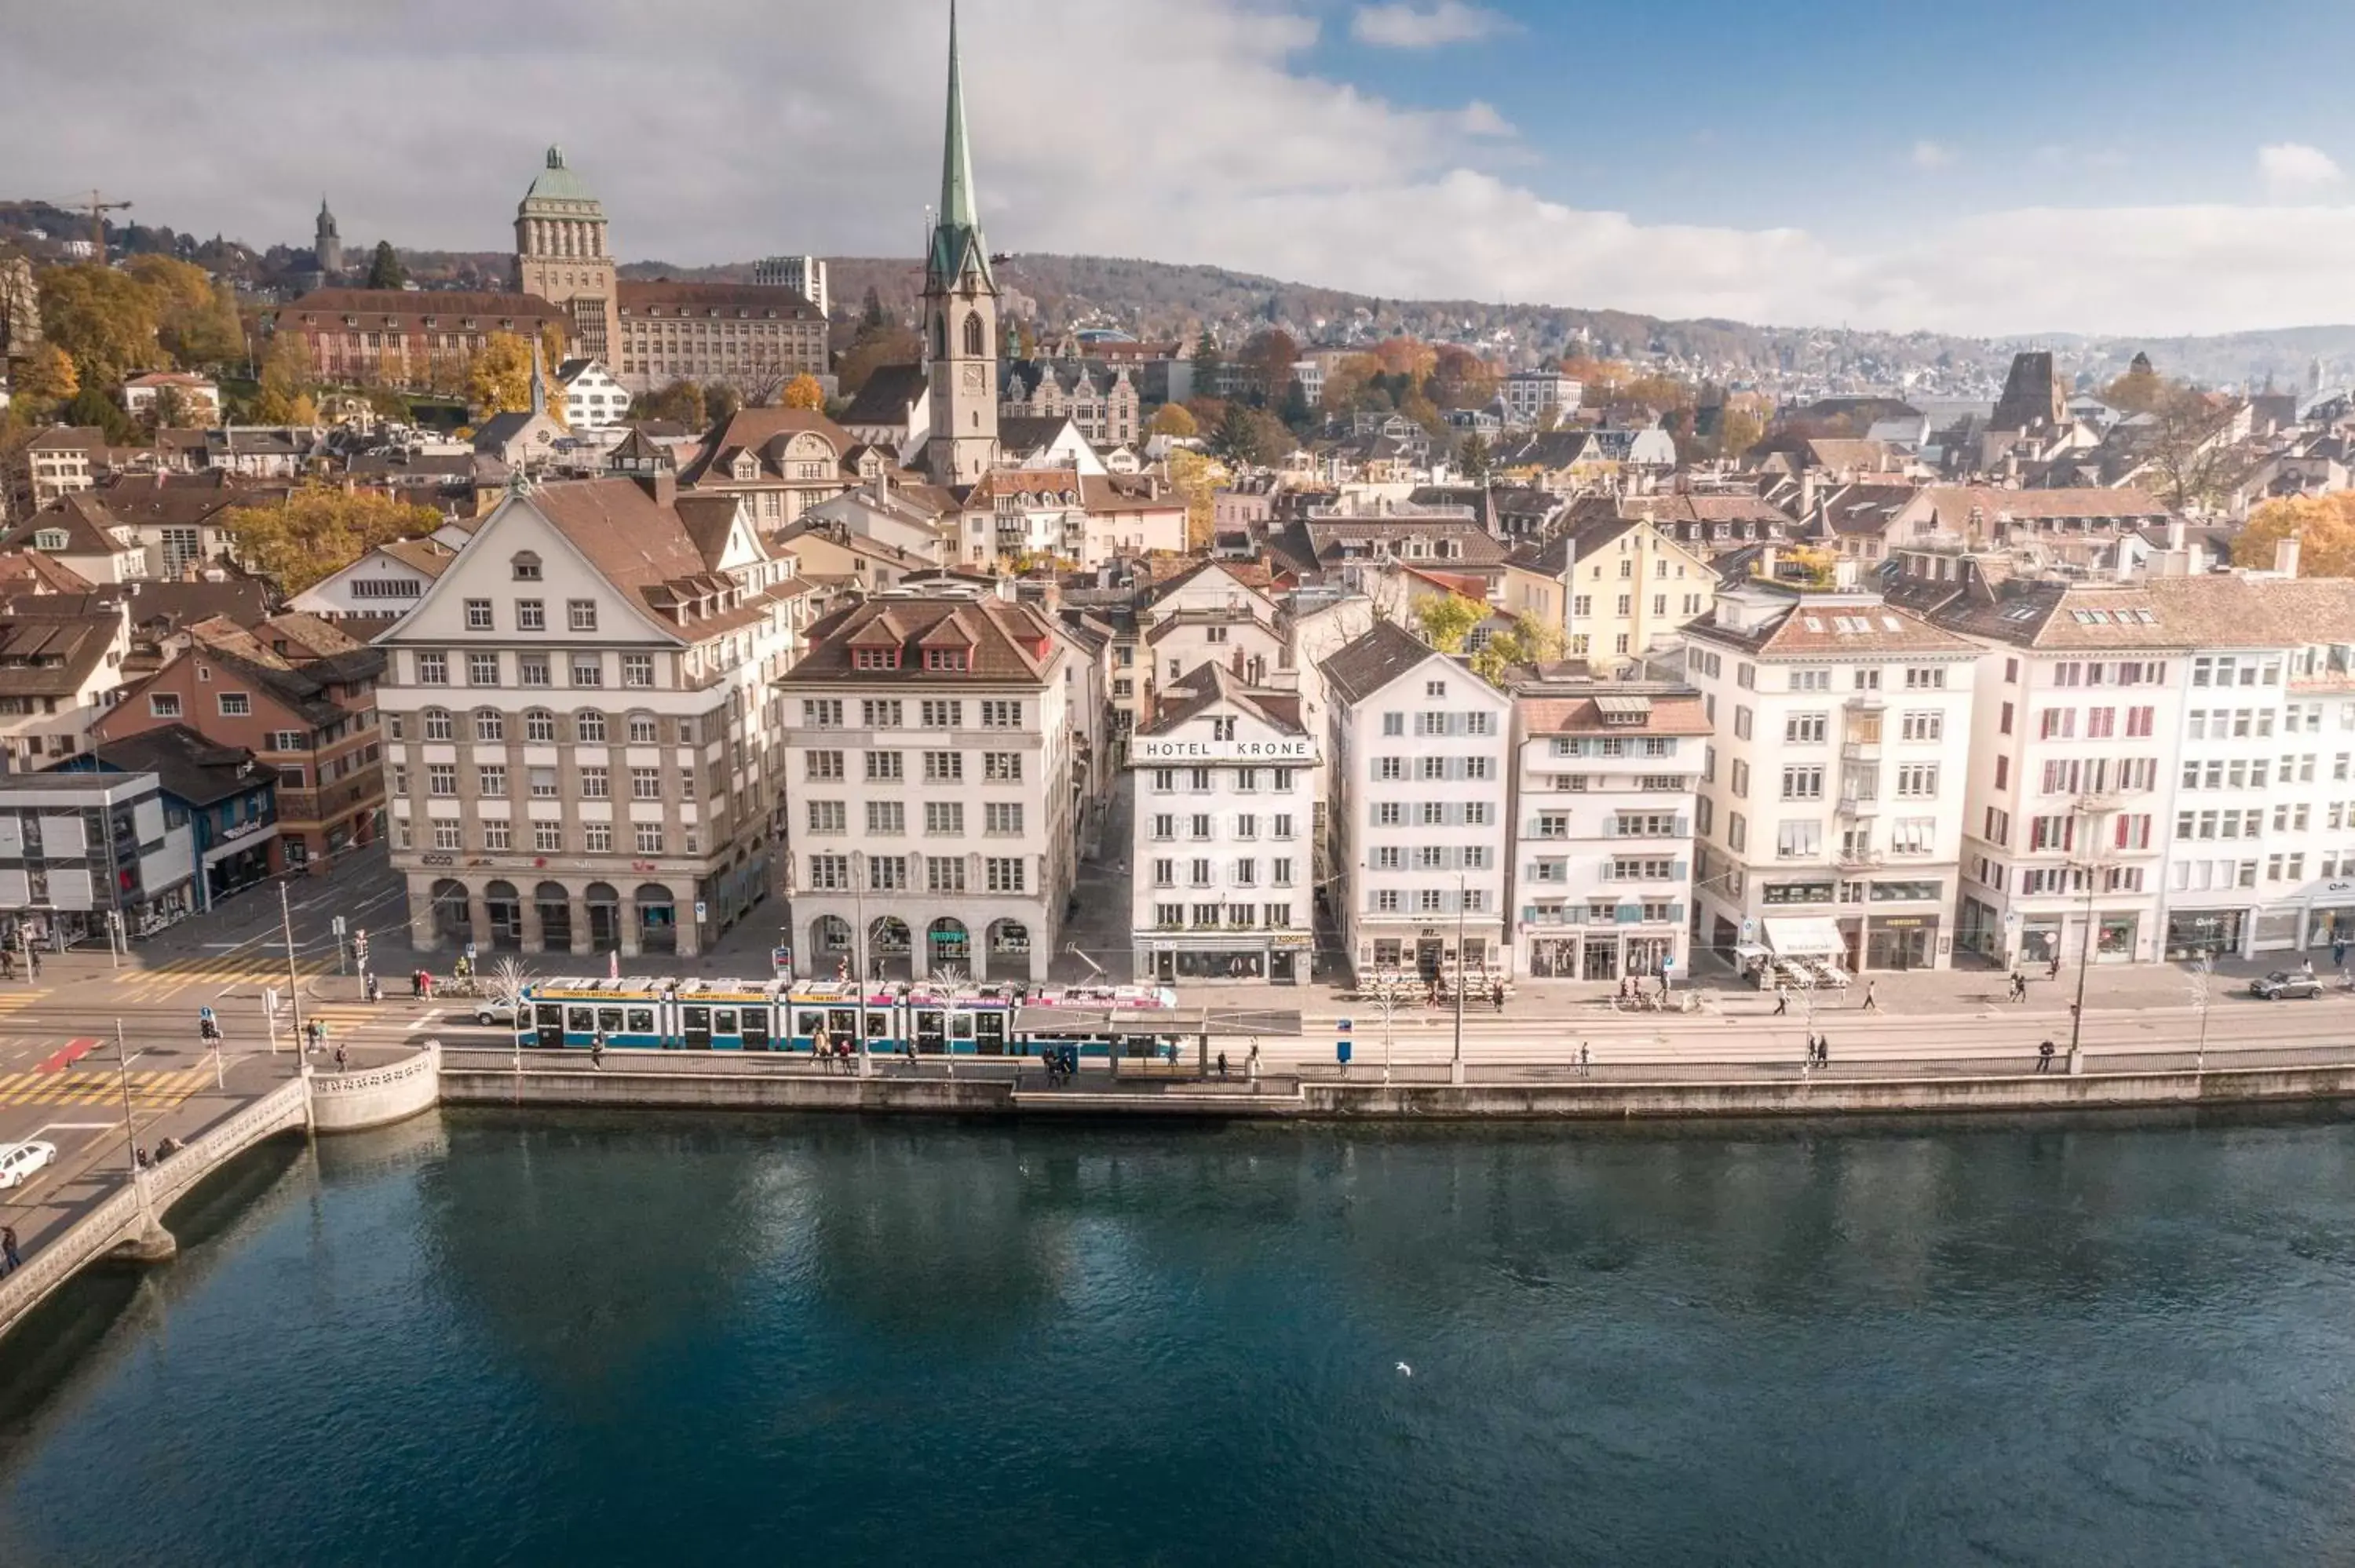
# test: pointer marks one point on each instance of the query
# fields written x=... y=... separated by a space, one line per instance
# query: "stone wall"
x=375 y=1097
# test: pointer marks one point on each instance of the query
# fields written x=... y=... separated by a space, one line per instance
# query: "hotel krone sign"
x=1153 y=749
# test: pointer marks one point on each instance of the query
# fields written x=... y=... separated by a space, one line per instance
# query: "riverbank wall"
x=1279 y=1099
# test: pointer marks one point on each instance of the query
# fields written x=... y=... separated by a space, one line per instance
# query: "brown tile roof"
x=763 y=300
x=1359 y=668
x=1950 y=506
x=1677 y=713
x=1009 y=642
x=50 y=644
x=424 y=555
x=88 y=526
x=406 y=311
x=761 y=431
x=1208 y=686
x=2221 y=609
x=2043 y=614
x=642 y=548
x=32 y=571
x=1818 y=626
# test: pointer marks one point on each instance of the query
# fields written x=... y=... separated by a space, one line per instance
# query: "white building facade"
x=1831 y=807
x=1227 y=787
x=1603 y=808
x=929 y=766
x=1417 y=751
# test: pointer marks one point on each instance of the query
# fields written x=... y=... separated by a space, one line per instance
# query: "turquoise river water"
x=478 y=1340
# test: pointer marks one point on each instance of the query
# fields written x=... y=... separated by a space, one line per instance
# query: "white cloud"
x=1401 y=26
x=828 y=139
x=2293 y=169
x=1931 y=156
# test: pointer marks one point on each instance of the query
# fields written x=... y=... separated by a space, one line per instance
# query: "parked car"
x=19 y=1160
x=2281 y=985
x=489 y=1013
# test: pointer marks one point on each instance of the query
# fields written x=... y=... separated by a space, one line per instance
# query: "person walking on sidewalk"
x=2044 y=1057
x=2052 y=971
x=1823 y=1050
x=1585 y=1060
x=10 y=1259
x=1872 y=1003
x=2018 y=986
x=1782 y=1003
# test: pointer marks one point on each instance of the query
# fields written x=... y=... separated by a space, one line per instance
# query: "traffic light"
x=359 y=949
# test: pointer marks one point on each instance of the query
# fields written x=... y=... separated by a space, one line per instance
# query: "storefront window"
x=2116 y=939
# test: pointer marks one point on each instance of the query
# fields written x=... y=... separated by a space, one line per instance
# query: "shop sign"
x=1292 y=941
x=1164 y=748
x=438 y=860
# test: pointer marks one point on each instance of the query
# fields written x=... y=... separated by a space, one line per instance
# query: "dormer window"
x=885 y=658
x=50 y=539
x=526 y=567
x=946 y=659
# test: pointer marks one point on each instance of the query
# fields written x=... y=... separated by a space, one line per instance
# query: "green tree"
x=1208 y=363
x=870 y=315
x=1475 y=459
x=384 y=271
x=91 y=407
x=721 y=402
x=104 y=320
x=803 y=392
x=1446 y=620
x=498 y=381
x=1295 y=412
x=1253 y=436
x=321 y=530
x=1172 y=419
x=167 y=410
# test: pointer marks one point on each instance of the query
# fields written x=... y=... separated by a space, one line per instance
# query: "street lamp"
x=1455 y=1064
x=2084 y=963
x=858 y=954
x=2202 y=968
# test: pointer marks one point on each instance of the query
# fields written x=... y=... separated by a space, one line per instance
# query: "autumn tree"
x=47 y=376
x=1446 y=619
x=2138 y=391
x=321 y=530
x=1475 y=457
x=498 y=379
x=1172 y=419
x=2324 y=525
x=1738 y=430
x=803 y=392
x=2184 y=440
x=384 y=271
x=1528 y=642
x=1461 y=378
x=680 y=402
x=104 y=320
x=196 y=319
x=721 y=402
x=1268 y=357
x=285 y=376
x=167 y=410
x=1198 y=478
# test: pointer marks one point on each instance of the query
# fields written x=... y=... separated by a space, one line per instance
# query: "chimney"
x=1807 y=497
x=2285 y=556
x=661 y=486
x=1844 y=573
x=2177 y=533
x=1766 y=563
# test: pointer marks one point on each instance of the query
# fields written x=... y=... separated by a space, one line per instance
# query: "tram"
x=659 y=1013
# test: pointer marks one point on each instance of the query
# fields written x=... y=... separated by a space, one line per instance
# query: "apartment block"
x=1830 y=811
x=1603 y=806
x=1417 y=748
x=933 y=786
x=1227 y=788
x=579 y=745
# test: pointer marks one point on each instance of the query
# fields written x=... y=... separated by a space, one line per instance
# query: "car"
x=489 y=1013
x=19 y=1160
x=2281 y=985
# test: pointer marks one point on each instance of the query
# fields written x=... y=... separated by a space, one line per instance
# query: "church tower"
x=960 y=311
x=561 y=255
x=327 y=247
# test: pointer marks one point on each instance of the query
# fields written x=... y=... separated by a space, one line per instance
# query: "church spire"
x=957 y=246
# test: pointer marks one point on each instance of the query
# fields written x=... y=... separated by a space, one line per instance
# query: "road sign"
x=340 y=927
x=204 y=1015
x=781 y=958
x=702 y=912
x=1341 y=1042
x=1667 y=963
x=469 y=952
x=1750 y=930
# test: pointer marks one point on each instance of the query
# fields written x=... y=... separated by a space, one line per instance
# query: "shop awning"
x=1805 y=939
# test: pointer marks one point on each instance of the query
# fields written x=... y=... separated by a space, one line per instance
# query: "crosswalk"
x=150 y=1090
x=249 y=971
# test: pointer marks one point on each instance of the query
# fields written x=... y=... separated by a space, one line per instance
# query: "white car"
x=19 y=1160
x=489 y=1013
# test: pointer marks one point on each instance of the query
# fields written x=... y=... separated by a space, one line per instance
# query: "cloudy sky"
x=1969 y=167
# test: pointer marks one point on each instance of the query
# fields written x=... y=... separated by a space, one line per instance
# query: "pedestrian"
x=139 y=1154
x=339 y=1058
x=2018 y=986
x=1250 y=1063
x=819 y=1049
x=597 y=1051
x=2305 y=968
x=2044 y=1057
x=911 y=1048
x=33 y=955
x=1823 y=1050
x=1782 y=1003
x=2338 y=952
x=10 y=1260
x=1585 y=1062
x=416 y=984
x=2052 y=971
x=1497 y=994
x=1872 y=1003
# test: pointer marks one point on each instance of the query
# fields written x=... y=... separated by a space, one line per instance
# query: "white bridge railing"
x=62 y=1257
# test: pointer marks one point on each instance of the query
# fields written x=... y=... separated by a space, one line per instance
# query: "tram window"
x=641 y=1020
x=551 y=1016
x=879 y=1027
x=724 y=1021
x=578 y=1022
x=695 y=1017
x=960 y=1025
x=609 y=1019
x=842 y=1022
x=809 y=1023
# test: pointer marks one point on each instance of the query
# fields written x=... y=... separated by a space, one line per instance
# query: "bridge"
x=128 y=1222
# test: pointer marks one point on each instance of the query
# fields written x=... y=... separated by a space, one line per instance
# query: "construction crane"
x=98 y=207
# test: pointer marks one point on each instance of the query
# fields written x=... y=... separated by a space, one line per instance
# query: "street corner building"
x=580 y=747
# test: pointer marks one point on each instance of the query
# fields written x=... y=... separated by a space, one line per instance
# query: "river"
x=478 y=1339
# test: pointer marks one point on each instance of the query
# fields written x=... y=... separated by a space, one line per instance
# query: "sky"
x=1972 y=167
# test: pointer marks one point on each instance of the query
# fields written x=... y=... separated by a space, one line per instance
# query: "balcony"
x=1859 y=805
x=2101 y=802
x=1858 y=858
x=1860 y=751
x=1863 y=703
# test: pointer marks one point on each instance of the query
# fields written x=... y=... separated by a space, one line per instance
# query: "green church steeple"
x=957 y=244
